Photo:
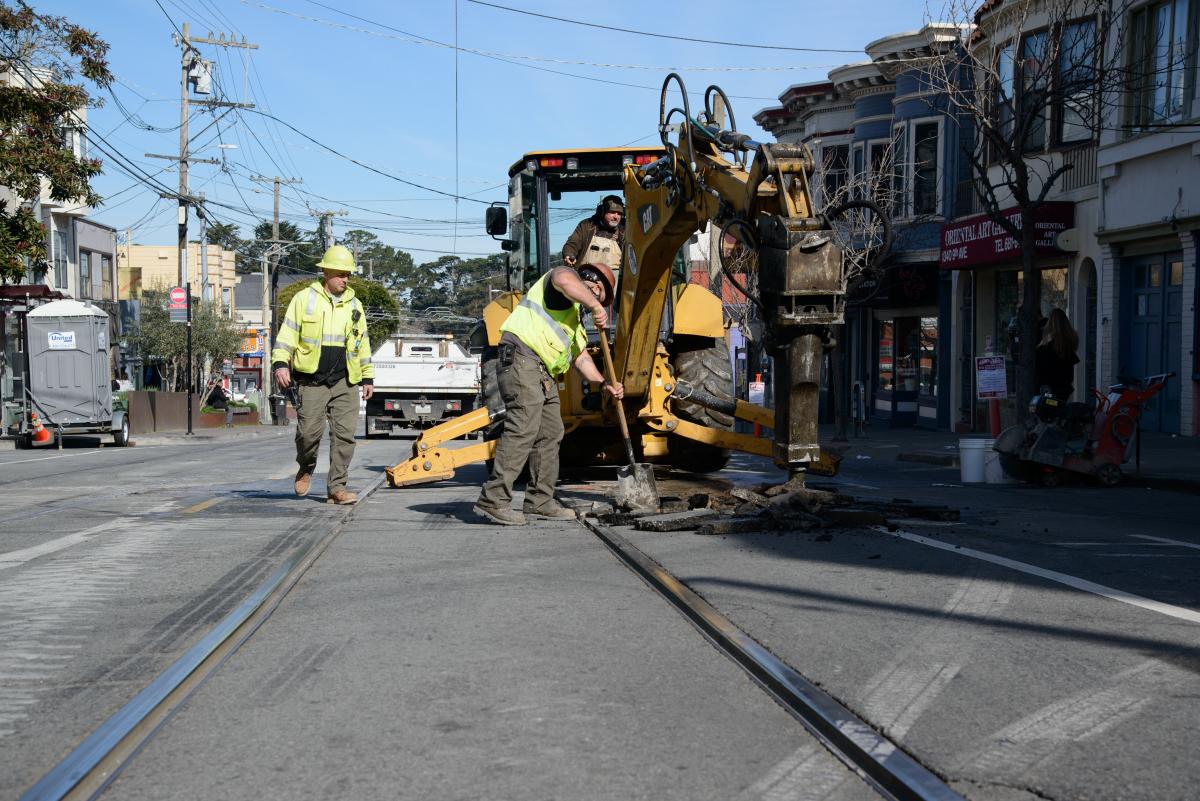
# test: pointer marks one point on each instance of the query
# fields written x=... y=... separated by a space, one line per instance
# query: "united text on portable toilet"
x=69 y=374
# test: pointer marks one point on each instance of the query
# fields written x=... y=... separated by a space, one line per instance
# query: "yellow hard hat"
x=338 y=258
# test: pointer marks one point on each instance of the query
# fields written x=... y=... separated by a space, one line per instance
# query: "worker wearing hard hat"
x=323 y=348
x=600 y=239
x=540 y=341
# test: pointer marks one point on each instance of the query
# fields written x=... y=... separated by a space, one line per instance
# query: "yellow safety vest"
x=557 y=337
x=315 y=319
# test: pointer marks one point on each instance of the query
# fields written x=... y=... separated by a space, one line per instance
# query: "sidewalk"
x=201 y=435
x=1168 y=461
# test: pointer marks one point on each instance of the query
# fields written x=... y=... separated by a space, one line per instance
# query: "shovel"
x=636 y=490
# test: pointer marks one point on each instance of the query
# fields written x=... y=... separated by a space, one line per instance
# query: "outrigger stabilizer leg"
x=429 y=462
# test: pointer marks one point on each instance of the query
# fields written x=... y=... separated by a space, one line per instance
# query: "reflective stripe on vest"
x=541 y=312
x=555 y=336
x=315 y=321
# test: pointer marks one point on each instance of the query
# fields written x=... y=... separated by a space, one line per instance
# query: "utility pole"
x=265 y=382
x=194 y=70
x=326 y=218
x=269 y=261
x=205 y=294
x=276 y=243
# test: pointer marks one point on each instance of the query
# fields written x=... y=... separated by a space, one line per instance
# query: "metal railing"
x=965 y=200
x=1083 y=158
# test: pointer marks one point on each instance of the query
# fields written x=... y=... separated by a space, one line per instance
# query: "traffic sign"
x=178 y=298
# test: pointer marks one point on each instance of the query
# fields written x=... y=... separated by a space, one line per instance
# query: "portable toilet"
x=69 y=373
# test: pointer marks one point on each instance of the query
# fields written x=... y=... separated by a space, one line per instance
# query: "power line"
x=353 y=160
x=663 y=35
x=425 y=40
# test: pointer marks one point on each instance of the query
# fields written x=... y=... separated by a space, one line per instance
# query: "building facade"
x=154 y=268
x=1117 y=232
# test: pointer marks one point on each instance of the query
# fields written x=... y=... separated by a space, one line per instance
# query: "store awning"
x=978 y=241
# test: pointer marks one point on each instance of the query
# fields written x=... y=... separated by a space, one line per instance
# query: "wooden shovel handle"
x=612 y=379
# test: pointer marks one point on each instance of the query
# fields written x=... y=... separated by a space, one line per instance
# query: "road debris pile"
x=785 y=507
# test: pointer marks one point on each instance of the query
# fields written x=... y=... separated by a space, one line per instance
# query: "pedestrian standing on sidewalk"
x=323 y=347
x=541 y=340
x=1056 y=356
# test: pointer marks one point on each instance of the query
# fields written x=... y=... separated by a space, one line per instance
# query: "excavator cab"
x=550 y=192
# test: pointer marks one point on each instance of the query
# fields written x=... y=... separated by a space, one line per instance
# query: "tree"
x=215 y=337
x=226 y=235
x=1035 y=73
x=381 y=309
x=456 y=284
x=39 y=57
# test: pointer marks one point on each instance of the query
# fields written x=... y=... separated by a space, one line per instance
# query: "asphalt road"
x=113 y=561
x=1043 y=647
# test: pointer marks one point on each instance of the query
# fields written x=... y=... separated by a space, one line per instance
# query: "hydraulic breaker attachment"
x=431 y=463
x=825 y=463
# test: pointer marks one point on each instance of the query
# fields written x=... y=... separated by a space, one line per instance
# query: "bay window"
x=1160 y=53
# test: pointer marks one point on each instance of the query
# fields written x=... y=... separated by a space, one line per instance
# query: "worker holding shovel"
x=540 y=341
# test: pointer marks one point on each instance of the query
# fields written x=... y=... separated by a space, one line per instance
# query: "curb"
x=929 y=457
x=179 y=438
x=1182 y=485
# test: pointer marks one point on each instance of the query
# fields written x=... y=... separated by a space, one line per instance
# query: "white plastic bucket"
x=973 y=457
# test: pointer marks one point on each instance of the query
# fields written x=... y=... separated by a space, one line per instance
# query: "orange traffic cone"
x=40 y=434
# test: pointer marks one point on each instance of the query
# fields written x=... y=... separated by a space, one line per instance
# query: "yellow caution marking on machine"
x=200 y=507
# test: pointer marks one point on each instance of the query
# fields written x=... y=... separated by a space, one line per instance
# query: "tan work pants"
x=337 y=405
x=533 y=430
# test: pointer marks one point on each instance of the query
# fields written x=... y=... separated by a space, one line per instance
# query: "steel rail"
x=93 y=765
x=892 y=771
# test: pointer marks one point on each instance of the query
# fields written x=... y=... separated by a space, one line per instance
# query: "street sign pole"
x=190 y=386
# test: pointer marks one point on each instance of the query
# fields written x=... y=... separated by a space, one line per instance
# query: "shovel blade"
x=636 y=490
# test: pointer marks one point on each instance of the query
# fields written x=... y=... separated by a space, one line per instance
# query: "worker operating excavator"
x=540 y=341
x=599 y=239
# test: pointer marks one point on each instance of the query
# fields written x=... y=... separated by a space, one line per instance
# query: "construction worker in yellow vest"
x=323 y=348
x=540 y=341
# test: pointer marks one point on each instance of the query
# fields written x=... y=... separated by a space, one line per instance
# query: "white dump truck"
x=420 y=380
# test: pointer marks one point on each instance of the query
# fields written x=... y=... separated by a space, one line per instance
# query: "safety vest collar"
x=347 y=296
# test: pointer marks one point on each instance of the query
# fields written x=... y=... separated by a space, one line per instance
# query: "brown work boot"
x=552 y=510
x=505 y=517
x=341 y=496
x=303 y=482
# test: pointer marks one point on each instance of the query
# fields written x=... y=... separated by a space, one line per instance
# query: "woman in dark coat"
x=1054 y=366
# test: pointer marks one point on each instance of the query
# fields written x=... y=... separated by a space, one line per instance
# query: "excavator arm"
x=704 y=178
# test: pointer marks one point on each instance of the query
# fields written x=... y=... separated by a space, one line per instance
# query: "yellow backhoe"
x=670 y=348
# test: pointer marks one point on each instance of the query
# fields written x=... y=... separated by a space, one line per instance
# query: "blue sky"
x=352 y=75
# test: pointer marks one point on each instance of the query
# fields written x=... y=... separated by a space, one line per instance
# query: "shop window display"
x=908 y=355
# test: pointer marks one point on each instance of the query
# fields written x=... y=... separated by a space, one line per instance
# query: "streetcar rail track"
x=874 y=757
x=97 y=761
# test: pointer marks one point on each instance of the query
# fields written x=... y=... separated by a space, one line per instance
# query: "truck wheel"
x=706 y=366
x=121 y=435
x=1109 y=475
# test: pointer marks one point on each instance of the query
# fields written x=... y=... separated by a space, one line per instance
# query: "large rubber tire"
x=703 y=364
x=121 y=435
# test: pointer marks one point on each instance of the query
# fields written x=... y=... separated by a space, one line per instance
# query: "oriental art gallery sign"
x=979 y=240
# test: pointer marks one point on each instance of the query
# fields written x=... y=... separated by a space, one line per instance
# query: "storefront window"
x=886 y=346
x=1009 y=288
x=928 y=356
x=908 y=354
x=1054 y=289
